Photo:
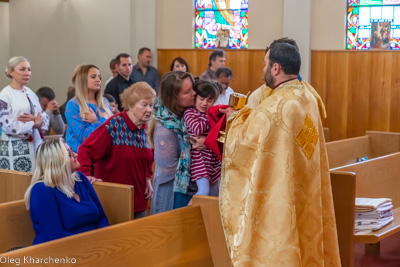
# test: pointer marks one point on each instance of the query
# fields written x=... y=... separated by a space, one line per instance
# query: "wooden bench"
x=174 y=238
x=52 y=136
x=378 y=178
x=16 y=226
x=191 y=236
x=373 y=144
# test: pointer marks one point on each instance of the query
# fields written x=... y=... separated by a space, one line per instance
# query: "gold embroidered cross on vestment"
x=307 y=137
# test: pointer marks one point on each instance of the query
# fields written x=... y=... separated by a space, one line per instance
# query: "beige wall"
x=328 y=24
x=175 y=22
x=4 y=42
x=57 y=35
x=144 y=32
x=296 y=24
x=265 y=22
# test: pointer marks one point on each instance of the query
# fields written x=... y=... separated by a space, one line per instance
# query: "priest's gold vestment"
x=276 y=201
x=262 y=92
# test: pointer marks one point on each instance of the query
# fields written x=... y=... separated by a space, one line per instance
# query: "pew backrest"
x=13 y=185
x=346 y=151
x=383 y=143
x=174 y=238
x=117 y=201
x=52 y=136
x=15 y=226
x=372 y=145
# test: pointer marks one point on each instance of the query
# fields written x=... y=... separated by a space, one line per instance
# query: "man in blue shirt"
x=143 y=72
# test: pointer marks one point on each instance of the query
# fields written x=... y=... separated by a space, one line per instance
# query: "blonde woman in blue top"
x=88 y=109
x=61 y=201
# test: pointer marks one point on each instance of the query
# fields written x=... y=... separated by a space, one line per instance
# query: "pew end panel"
x=344 y=192
x=326 y=134
x=117 y=201
x=215 y=233
x=16 y=228
x=13 y=185
x=174 y=238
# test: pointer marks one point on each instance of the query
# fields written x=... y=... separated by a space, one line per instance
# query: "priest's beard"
x=269 y=79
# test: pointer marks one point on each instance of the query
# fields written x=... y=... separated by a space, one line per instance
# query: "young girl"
x=205 y=166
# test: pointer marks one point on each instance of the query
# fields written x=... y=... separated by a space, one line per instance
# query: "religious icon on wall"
x=222 y=39
x=380 y=35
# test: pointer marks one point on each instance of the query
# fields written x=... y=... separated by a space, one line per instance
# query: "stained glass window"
x=221 y=23
x=373 y=24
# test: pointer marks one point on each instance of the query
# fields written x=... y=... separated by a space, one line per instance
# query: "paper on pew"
x=370 y=204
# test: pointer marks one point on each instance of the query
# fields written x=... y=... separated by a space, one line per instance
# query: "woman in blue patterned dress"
x=88 y=109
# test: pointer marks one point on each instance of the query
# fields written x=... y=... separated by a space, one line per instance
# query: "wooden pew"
x=378 y=178
x=373 y=144
x=16 y=226
x=52 y=136
x=174 y=238
x=13 y=185
x=191 y=236
x=344 y=192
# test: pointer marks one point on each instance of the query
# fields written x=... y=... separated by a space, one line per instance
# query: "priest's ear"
x=276 y=69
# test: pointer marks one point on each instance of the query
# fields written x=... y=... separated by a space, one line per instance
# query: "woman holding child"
x=171 y=140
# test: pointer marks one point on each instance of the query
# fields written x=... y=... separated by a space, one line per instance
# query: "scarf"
x=170 y=121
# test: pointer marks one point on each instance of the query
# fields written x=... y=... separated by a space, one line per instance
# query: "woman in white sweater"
x=21 y=119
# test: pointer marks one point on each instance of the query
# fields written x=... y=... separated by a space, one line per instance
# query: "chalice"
x=236 y=101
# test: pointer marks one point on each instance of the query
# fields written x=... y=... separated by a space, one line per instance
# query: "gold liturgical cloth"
x=276 y=199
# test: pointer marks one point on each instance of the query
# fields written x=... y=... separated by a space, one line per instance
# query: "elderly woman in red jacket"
x=120 y=149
